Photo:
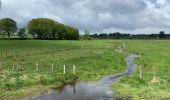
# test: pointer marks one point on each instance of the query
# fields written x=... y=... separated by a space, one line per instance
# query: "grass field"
x=93 y=59
x=19 y=71
x=155 y=66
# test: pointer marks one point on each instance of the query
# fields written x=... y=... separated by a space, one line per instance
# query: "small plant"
x=43 y=80
x=9 y=86
x=19 y=83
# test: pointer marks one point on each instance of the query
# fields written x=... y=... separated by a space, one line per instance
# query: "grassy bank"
x=154 y=62
x=25 y=64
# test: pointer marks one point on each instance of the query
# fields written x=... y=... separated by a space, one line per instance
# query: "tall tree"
x=8 y=26
x=22 y=33
x=41 y=27
x=47 y=28
x=64 y=32
x=71 y=33
x=162 y=34
x=60 y=31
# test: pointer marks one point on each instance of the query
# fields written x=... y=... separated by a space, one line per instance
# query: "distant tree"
x=22 y=33
x=86 y=35
x=63 y=32
x=59 y=31
x=49 y=29
x=153 y=36
x=71 y=33
x=41 y=28
x=116 y=35
x=162 y=34
x=103 y=36
x=8 y=26
x=95 y=36
x=86 y=32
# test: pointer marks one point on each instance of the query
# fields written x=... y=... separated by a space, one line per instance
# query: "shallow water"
x=101 y=90
x=79 y=91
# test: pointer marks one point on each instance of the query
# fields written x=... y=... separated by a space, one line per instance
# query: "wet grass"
x=18 y=59
x=154 y=62
x=93 y=60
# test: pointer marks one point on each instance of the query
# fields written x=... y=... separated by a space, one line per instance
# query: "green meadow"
x=154 y=66
x=26 y=66
x=20 y=72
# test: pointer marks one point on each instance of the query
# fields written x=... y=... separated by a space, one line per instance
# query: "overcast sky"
x=130 y=16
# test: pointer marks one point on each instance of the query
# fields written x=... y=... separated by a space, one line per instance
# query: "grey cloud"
x=65 y=3
x=98 y=15
x=94 y=15
x=168 y=1
x=117 y=6
x=0 y=4
x=153 y=1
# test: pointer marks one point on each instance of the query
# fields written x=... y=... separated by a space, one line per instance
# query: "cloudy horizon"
x=128 y=16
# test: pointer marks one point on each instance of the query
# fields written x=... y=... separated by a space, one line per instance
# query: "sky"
x=97 y=16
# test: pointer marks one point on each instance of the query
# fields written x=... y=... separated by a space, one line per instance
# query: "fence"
x=38 y=67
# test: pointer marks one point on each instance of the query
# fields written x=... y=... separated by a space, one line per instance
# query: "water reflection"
x=90 y=90
x=79 y=91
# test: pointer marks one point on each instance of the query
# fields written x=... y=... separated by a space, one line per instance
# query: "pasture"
x=30 y=63
x=19 y=74
x=154 y=64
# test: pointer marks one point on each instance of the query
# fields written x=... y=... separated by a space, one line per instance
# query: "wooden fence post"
x=6 y=54
x=14 y=53
x=123 y=44
x=74 y=69
x=52 y=68
x=17 y=65
x=0 y=64
x=37 y=65
x=13 y=67
x=64 y=70
x=140 y=72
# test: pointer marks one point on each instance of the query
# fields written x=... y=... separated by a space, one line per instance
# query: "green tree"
x=86 y=35
x=41 y=28
x=162 y=34
x=64 y=32
x=60 y=31
x=47 y=28
x=8 y=26
x=71 y=33
x=22 y=33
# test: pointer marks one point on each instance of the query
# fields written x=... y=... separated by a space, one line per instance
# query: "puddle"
x=101 y=90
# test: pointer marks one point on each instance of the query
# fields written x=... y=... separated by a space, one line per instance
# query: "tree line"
x=40 y=28
x=44 y=28
x=118 y=35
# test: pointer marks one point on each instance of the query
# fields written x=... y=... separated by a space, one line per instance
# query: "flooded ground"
x=101 y=90
x=79 y=91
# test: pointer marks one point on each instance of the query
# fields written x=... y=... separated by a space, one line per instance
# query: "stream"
x=101 y=90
